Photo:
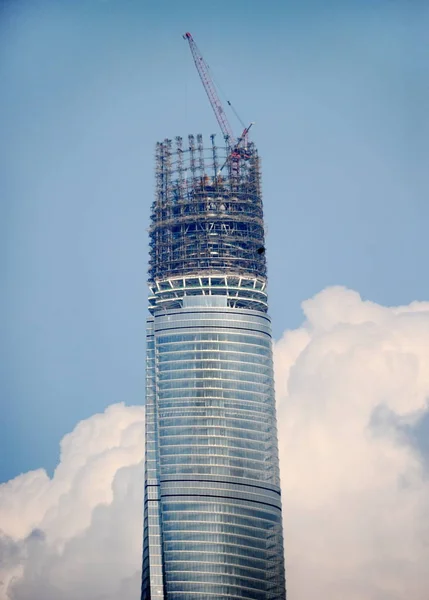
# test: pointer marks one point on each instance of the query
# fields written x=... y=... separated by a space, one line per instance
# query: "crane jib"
x=210 y=89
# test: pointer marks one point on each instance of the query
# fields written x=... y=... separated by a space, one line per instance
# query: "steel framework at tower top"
x=207 y=229
x=205 y=220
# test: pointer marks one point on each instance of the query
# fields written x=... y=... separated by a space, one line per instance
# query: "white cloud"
x=79 y=534
x=356 y=497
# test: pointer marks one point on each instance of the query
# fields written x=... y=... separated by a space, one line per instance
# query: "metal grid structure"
x=207 y=215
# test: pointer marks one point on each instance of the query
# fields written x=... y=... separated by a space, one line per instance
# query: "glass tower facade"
x=212 y=513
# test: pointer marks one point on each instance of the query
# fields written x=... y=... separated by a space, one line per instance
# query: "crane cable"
x=225 y=96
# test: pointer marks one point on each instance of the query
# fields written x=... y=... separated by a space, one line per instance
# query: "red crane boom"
x=215 y=102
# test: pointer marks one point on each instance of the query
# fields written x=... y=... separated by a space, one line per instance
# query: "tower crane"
x=238 y=146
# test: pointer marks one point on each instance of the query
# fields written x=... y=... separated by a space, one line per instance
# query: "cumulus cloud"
x=78 y=535
x=356 y=496
x=352 y=383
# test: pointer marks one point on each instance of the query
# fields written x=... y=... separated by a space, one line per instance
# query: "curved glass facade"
x=216 y=505
x=212 y=515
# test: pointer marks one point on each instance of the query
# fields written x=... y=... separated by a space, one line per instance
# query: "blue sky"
x=339 y=94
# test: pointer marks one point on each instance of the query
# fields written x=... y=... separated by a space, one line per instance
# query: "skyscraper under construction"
x=212 y=513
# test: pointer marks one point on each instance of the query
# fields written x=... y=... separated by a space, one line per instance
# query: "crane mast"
x=214 y=99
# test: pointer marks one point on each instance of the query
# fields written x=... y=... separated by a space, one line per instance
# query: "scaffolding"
x=207 y=215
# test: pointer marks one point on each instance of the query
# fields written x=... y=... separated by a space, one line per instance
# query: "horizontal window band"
x=221 y=498
x=223 y=327
x=181 y=480
x=222 y=311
